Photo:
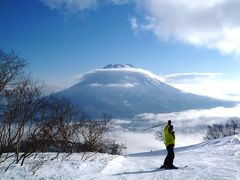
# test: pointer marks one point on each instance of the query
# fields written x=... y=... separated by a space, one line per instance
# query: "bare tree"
x=21 y=101
x=11 y=67
x=214 y=131
x=92 y=132
x=24 y=102
x=234 y=125
x=231 y=127
x=32 y=124
x=159 y=135
x=63 y=116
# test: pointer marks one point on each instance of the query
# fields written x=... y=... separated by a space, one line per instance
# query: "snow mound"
x=114 y=166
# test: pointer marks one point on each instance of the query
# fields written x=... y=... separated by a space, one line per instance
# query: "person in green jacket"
x=169 y=140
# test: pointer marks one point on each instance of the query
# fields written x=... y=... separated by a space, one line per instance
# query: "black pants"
x=170 y=156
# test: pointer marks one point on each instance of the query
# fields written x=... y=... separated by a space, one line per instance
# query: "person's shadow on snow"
x=140 y=172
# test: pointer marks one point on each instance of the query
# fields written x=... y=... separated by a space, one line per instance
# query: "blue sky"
x=63 y=38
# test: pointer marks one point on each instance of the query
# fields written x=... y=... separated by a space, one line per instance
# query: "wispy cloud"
x=74 y=6
x=207 y=84
x=121 y=85
x=71 y=5
x=190 y=76
x=134 y=23
x=118 y=2
x=222 y=89
x=213 y=24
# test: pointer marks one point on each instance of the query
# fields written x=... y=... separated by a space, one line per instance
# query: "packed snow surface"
x=214 y=160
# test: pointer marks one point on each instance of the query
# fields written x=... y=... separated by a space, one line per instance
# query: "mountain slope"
x=214 y=160
x=123 y=90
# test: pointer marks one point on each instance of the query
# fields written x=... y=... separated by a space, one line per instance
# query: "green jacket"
x=169 y=138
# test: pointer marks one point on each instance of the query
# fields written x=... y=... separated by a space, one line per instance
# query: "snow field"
x=213 y=160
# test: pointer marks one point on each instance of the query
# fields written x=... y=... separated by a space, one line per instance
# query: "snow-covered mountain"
x=213 y=160
x=123 y=90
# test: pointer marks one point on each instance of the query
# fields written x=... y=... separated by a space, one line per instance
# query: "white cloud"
x=195 y=117
x=119 y=2
x=222 y=89
x=121 y=85
x=190 y=127
x=206 y=84
x=133 y=23
x=71 y=6
x=187 y=76
x=213 y=24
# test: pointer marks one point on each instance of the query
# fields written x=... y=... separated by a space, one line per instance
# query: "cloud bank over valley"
x=190 y=127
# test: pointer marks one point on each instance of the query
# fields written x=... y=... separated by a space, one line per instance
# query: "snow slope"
x=214 y=160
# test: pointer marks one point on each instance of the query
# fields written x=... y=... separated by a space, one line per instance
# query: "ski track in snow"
x=214 y=160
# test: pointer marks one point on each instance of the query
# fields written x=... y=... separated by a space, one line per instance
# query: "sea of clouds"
x=190 y=127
